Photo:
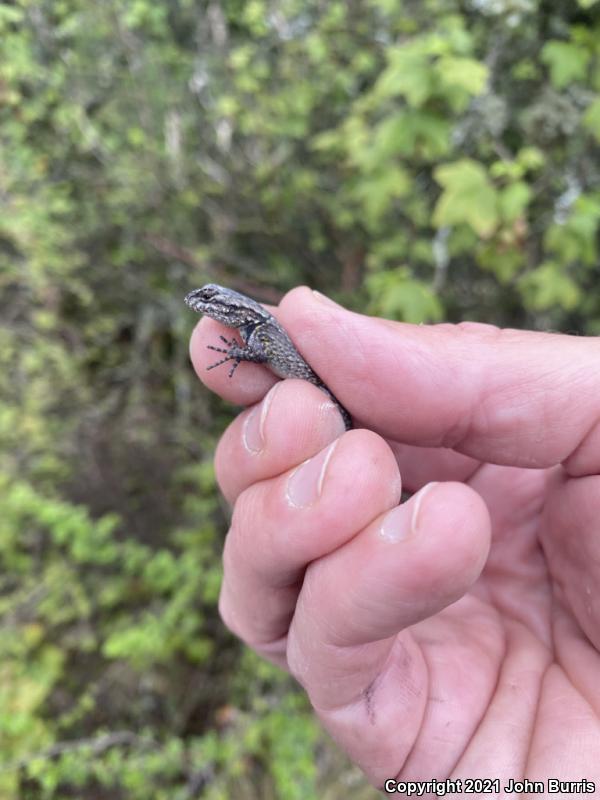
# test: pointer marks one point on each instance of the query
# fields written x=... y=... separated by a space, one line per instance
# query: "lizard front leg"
x=236 y=352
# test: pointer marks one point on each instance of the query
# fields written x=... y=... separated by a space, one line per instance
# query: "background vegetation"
x=429 y=160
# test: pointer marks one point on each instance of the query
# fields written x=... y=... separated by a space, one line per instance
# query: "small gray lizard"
x=264 y=340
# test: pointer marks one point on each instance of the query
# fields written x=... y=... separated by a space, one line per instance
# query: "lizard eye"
x=208 y=292
x=201 y=295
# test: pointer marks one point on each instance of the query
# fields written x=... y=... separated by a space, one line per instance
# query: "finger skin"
x=250 y=381
x=375 y=586
x=272 y=540
x=293 y=422
x=370 y=686
x=249 y=384
x=572 y=545
x=510 y=397
x=421 y=465
x=408 y=672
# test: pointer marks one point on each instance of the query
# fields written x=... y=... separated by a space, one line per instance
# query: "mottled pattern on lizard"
x=265 y=341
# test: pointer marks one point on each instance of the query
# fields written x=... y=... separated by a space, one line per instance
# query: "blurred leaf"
x=591 y=118
x=468 y=197
x=568 y=62
x=549 y=285
x=513 y=200
x=461 y=79
x=408 y=74
x=396 y=295
x=575 y=239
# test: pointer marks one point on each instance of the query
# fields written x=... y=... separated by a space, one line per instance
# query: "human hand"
x=454 y=635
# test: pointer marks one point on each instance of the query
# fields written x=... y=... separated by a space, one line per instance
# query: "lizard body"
x=265 y=341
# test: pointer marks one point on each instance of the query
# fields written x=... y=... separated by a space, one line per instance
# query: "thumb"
x=511 y=397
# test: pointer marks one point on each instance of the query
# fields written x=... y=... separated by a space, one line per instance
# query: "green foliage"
x=468 y=197
x=396 y=295
x=567 y=61
x=591 y=118
x=93 y=594
x=425 y=161
x=548 y=286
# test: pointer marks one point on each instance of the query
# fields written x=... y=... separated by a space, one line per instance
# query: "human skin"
x=455 y=634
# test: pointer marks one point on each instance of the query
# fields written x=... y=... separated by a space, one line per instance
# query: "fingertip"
x=294 y=422
x=416 y=559
x=302 y=307
x=460 y=519
x=205 y=332
x=304 y=294
x=375 y=460
x=298 y=294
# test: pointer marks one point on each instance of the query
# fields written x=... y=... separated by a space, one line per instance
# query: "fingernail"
x=253 y=429
x=419 y=497
x=325 y=300
x=397 y=525
x=305 y=483
x=330 y=413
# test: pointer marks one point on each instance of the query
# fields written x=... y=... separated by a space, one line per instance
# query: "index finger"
x=511 y=397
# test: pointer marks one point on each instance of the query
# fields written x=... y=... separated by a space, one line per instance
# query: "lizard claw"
x=218 y=363
x=228 y=355
x=228 y=342
x=217 y=349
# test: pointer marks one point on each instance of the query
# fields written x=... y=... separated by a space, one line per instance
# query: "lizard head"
x=202 y=298
x=225 y=305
